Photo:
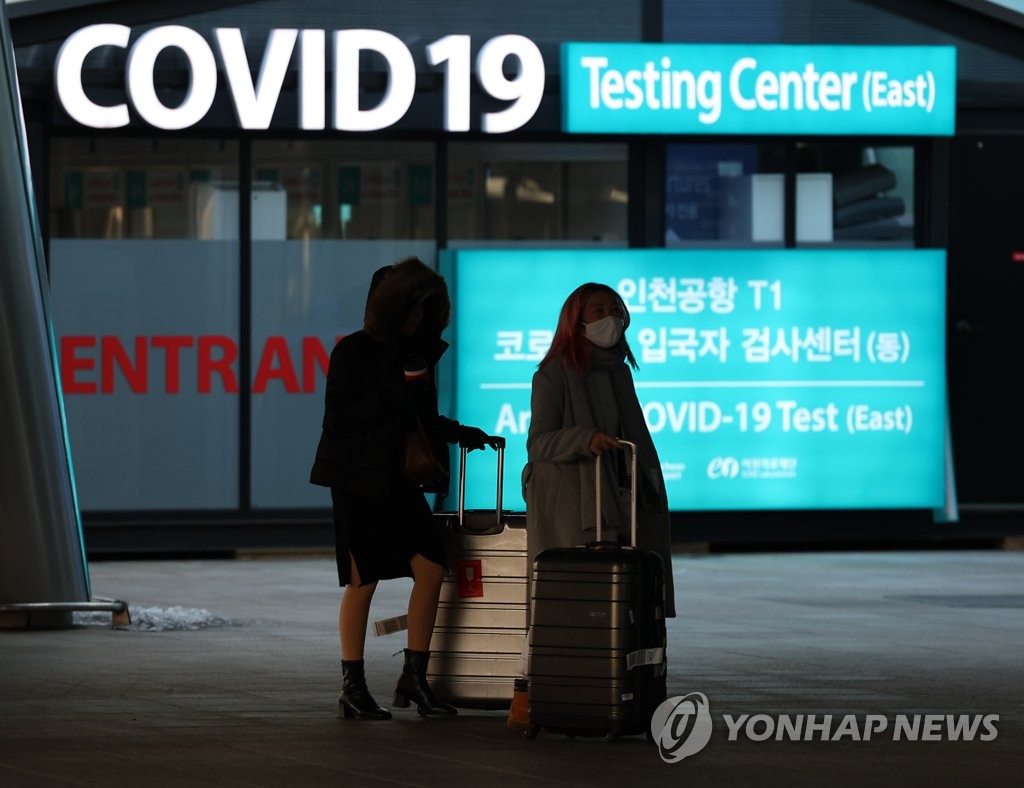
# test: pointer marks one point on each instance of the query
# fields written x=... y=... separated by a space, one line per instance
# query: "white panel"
x=169 y=446
x=751 y=208
x=213 y=211
x=814 y=207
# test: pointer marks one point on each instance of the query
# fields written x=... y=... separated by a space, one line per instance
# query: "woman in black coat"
x=379 y=379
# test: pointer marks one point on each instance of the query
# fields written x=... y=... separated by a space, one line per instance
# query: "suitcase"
x=597 y=643
x=482 y=614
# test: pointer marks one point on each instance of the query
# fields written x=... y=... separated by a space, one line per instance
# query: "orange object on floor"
x=519 y=711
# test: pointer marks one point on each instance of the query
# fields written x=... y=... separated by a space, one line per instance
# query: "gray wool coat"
x=559 y=478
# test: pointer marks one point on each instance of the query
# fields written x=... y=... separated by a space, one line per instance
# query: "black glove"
x=472 y=438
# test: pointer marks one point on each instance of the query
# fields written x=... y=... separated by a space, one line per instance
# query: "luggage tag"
x=470 y=574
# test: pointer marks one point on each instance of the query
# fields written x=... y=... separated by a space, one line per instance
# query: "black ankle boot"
x=355 y=699
x=412 y=686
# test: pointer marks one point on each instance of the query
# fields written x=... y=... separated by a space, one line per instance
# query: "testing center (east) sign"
x=606 y=88
x=758 y=89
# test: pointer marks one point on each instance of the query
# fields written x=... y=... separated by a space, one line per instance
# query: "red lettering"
x=314 y=355
x=111 y=351
x=70 y=364
x=217 y=355
x=276 y=348
x=208 y=365
x=172 y=346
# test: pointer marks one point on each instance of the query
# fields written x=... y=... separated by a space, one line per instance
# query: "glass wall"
x=733 y=194
x=871 y=199
x=150 y=279
x=340 y=211
x=728 y=194
x=328 y=215
x=144 y=285
x=346 y=190
x=547 y=192
x=137 y=188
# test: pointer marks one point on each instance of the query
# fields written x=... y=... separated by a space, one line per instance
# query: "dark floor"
x=873 y=635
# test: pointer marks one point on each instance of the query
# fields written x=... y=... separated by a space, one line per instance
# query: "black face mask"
x=426 y=337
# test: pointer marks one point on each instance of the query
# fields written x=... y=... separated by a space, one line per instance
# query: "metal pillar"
x=42 y=557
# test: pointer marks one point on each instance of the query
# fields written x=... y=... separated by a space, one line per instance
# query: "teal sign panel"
x=757 y=89
x=770 y=379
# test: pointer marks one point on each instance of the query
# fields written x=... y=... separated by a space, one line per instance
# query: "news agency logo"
x=681 y=726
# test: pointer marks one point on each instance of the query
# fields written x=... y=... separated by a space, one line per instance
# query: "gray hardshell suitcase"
x=597 y=643
x=482 y=614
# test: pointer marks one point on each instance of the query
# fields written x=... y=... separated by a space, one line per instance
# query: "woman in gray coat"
x=583 y=396
x=583 y=400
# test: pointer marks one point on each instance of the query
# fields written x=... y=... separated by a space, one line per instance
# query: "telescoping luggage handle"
x=499 y=444
x=632 y=491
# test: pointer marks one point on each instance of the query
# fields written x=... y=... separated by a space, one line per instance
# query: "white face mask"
x=605 y=332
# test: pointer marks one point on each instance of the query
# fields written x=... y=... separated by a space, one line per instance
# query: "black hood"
x=409 y=284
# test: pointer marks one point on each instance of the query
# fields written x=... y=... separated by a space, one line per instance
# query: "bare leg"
x=355 y=700
x=427 y=578
x=426 y=588
x=353 y=615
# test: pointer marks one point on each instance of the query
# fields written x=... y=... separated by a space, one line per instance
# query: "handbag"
x=423 y=459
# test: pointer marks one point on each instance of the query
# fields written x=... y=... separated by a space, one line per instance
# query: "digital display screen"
x=770 y=379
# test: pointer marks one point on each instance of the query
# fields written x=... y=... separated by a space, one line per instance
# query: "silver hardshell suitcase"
x=597 y=650
x=482 y=615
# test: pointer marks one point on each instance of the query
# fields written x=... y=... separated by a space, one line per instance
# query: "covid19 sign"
x=225 y=61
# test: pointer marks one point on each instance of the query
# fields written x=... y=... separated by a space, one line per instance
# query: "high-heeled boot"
x=355 y=699
x=413 y=686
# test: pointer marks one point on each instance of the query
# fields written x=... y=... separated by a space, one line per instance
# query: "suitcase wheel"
x=531 y=731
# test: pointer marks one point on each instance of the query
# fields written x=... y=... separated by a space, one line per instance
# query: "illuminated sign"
x=758 y=89
x=255 y=104
x=607 y=87
x=770 y=379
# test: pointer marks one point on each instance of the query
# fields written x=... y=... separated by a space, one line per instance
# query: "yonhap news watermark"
x=850 y=727
x=682 y=726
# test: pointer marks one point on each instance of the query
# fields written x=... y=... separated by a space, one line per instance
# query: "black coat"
x=368 y=406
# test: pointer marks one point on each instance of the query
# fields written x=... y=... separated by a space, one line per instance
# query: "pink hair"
x=570 y=344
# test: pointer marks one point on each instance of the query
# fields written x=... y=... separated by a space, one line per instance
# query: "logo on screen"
x=681 y=726
x=723 y=468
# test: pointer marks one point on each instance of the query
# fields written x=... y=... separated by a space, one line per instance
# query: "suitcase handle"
x=632 y=491
x=499 y=444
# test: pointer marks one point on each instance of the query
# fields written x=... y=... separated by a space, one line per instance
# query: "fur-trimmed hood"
x=410 y=296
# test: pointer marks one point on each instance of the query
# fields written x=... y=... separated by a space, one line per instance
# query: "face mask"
x=604 y=332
